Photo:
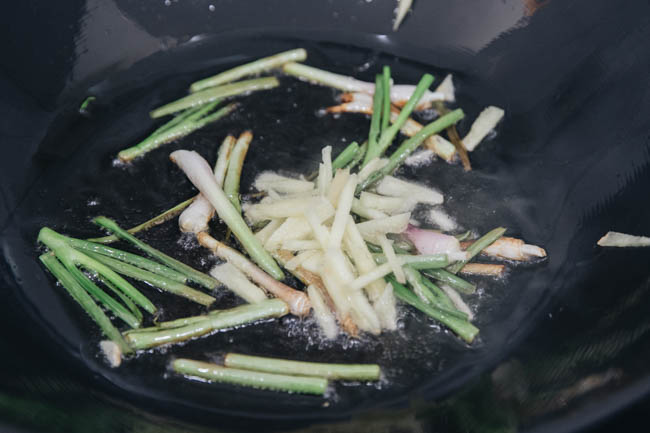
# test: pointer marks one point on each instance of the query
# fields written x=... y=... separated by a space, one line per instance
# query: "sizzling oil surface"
x=419 y=360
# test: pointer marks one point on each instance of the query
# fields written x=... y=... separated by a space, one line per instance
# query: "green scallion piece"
x=216 y=93
x=481 y=243
x=408 y=146
x=452 y=280
x=235 y=164
x=258 y=66
x=86 y=302
x=191 y=273
x=158 y=219
x=223 y=319
x=390 y=133
x=275 y=382
x=385 y=115
x=59 y=244
x=460 y=327
x=346 y=156
x=130 y=258
x=301 y=368
x=375 y=122
x=162 y=283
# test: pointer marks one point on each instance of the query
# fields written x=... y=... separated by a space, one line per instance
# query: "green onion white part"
x=200 y=174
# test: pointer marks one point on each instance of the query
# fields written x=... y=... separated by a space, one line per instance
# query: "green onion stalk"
x=191 y=273
x=126 y=257
x=385 y=115
x=158 y=281
x=408 y=146
x=460 y=327
x=481 y=243
x=346 y=156
x=235 y=164
x=452 y=280
x=72 y=259
x=158 y=219
x=258 y=66
x=77 y=292
x=387 y=137
x=375 y=122
x=194 y=121
x=235 y=376
x=216 y=93
x=301 y=368
x=207 y=324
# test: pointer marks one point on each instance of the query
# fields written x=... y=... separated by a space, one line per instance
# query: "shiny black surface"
x=570 y=163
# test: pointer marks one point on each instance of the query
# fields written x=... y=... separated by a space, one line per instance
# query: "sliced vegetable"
x=158 y=219
x=258 y=66
x=297 y=301
x=158 y=281
x=461 y=327
x=403 y=7
x=184 y=128
x=346 y=156
x=216 y=93
x=408 y=146
x=235 y=164
x=224 y=319
x=126 y=257
x=236 y=281
x=484 y=123
x=616 y=239
x=276 y=382
x=475 y=248
x=302 y=368
x=200 y=174
x=72 y=258
x=78 y=293
x=322 y=313
x=191 y=273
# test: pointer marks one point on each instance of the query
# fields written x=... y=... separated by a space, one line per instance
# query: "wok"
x=563 y=345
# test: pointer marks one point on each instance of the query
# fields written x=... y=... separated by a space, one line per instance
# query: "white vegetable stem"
x=446 y=87
x=284 y=185
x=393 y=262
x=484 y=123
x=403 y=7
x=457 y=301
x=196 y=217
x=199 y=173
x=373 y=229
x=297 y=300
x=323 y=316
x=394 y=187
x=342 y=212
x=236 y=281
x=372 y=276
x=264 y=234
x=399 y=93
x=616 y=239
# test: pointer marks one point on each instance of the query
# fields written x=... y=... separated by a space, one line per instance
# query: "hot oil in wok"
x=289 y=130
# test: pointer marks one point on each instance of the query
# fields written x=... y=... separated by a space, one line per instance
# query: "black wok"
x=563 y=345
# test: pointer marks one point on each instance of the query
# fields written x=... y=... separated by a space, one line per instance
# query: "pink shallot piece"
x=433 y=242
